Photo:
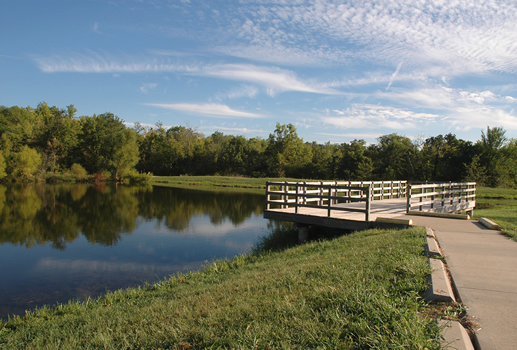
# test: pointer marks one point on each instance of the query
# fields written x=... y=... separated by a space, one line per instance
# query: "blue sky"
x=337 y=70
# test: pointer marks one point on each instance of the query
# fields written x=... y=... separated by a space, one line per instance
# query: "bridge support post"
x=303 y=232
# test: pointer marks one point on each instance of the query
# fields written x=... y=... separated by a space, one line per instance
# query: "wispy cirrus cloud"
x=366 y=116
x=478 y=117
x=213 y=128
x=440 y=37
x=274 y=80
x=94 y=62
x=147 y=86
x=208 y=109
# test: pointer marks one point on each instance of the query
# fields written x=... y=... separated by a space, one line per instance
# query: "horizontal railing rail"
x=446 y=197
x=329 y=195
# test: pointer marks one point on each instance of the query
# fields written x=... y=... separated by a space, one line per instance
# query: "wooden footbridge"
x=357 y=205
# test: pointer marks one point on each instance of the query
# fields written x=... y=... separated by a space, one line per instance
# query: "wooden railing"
x=442 y=197
x=329 y=195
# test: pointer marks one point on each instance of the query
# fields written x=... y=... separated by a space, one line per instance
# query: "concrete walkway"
x=483 y=265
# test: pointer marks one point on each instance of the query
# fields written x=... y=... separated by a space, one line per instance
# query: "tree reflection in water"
x=33 y=215
x=87 y=239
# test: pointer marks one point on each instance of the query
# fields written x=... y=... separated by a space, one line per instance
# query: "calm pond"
x=62 y=242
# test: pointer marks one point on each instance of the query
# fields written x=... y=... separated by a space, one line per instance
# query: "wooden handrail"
x=327 y=195
x=444 y=197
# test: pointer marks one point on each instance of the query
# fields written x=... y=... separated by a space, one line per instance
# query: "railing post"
x=329 y=201
x=297 y=198
x=321 y=194
x=451 y=194
x=421 y=197
x=305 y=192
x=286 y=196
x=369 y=189
x=433 y=189
x=443 y=196
x=336 y=194
x=268 y=196
x=408 y=197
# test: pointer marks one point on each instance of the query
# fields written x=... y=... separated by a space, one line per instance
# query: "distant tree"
x=234 y=158
x=107 y=145
x=286 y=153
x=355 y=163
x=492 y=143
x=323 y=165
x=57 y=135
x=125 y=152
x=78 y=171
x=2 y=166
x=26 y=162
x=19 y=126
x=256 y=162
x=394 y=157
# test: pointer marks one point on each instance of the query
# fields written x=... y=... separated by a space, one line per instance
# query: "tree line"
x=46 y=142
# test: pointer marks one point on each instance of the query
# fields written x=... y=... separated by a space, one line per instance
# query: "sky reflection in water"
x=61 y=242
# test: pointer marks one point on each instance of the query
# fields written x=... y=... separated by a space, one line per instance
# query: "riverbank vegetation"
x=352 y=292
x=54 y=144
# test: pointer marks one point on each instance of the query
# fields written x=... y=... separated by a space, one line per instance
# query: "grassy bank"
x=358 y=291
x=500 y=206
x=220 y=181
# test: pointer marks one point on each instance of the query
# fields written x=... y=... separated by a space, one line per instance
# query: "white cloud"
x=96 y=28
x=364 y=116
x=243 y=91
x=94 y=62
x=357 y=136
x=466 y=118
x=148 y=86
x=208 y=109
x=452 y=38
x=394 y=75
x=478 y=98
x=274 y=79
x=214 y=128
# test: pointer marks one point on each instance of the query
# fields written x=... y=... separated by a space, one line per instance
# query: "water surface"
x=62 y=242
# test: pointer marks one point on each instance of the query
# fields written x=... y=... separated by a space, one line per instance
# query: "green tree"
x=19 y=125
x=26 y=162
x=107 y=145
x=492 y=145
x=394 y=157
x=2 y=166
x=323 y=165
x=234 y=158
x=286 y=153
x=58 y=134
x=125 y=153
x=355 y=163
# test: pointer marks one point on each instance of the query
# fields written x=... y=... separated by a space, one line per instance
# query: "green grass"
x=360 y=291
x=500 y=206
x=220 y=181
x=496 y=193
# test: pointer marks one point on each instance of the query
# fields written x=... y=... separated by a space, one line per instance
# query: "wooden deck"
x=362 y=205
x=350 y=220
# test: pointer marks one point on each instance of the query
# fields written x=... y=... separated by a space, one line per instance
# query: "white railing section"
x=442 y=197
x=329 y=195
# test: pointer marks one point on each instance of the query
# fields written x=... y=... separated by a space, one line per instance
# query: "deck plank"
x=387 y=208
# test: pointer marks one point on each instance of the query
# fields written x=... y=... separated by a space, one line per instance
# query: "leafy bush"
x=79 y=172
x=26 y=161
